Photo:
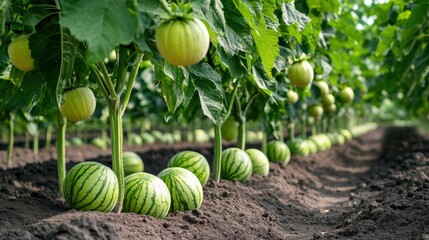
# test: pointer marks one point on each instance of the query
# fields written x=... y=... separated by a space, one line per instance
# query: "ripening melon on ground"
x=194 y=162
x=146 y=194
x=278 y=151
x=185 y=188
x=132 y=163
x=236 y=165
x=260 y=163
x=91 y=186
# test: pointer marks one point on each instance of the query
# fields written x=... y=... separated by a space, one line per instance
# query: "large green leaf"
x=103 y=24
x=417 y=21
x=4 y=6
x=208 y=84
x=266 y=40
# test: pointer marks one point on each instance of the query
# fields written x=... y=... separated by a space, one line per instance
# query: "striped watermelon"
x=236 y=165
x=185 y=188
x=146 y=194
x=91 y=186
x=278 y=151
x=260 y=164
x=194 y=162
x=132 y=163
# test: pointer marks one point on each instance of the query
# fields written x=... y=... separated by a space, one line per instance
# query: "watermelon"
x=347 y=134
x=194 y=162
x=147 y=138
x=146 y=194
x=135 y=139
x=99 y=142
x=299 y=147
x=91 y=186
x=77 y=142
x=260 y=164
x=236 y=165
x=278 y=151
x=185 y=188
x=132 y=163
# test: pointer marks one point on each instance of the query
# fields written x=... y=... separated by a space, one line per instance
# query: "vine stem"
x=61 y=150
x=217 y=163
x=11 y=139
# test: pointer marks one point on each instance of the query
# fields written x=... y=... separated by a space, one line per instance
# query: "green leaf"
x=208 y=84
x=103 y=24
x=387 y=37
x=37 y=13
x=416 y=22
x=421 y=63
x=291 y=16
x=4 y=6
x=266 y=40
x=172 y=79
x=261 y=80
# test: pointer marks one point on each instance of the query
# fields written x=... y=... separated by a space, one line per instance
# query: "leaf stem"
x=217 y=162
x=108 y=81
x=130 y=83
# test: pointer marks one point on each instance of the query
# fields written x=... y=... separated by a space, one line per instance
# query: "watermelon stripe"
x=90 y=191
x=130 y=193
x=82 y=184
x=152 y=206
x=143 y=201
x=109 y=205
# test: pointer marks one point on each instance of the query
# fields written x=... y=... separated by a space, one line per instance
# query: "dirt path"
x=374 y=187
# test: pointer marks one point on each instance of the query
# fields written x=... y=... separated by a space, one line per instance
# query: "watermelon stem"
x=264 y=142
x=61 y=149
x=117 y=163
x=217 y=152
x=11 y=138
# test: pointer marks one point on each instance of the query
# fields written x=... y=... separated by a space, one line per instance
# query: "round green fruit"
x=229 y=129
x=78 y=104
x=146 y=194
x=132 y=163
x=99 y=142
x=91 y=186
x=20 y=54
x=260 y=163
x=292 y=97
x=346 y=133
x=301 y=74
x=236 y=165
x=323 y=87
x=182 y=42
x=347 y=94
x=328 y=100
x=194 y=162
x=316 y=111
x=185 y=188
x=278 y=151
x=299 y=147
x=147 y=138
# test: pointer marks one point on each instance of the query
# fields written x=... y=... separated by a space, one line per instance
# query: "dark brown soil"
x=374 y=187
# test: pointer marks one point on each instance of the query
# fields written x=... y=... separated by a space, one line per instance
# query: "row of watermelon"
x=93 y=186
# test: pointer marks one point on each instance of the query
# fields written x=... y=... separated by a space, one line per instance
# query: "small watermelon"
x=146 y=194
x=91 y=186
x=278 y=151
x=132 y=163
x=260 y=164
x=236 y=165
x=185 y=188
x=194 y=162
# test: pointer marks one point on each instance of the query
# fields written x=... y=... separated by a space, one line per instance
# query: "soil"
x=373 y=187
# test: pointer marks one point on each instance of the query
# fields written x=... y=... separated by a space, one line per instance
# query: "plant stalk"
x=217 y=161
x=11 y=139
x=61 y=150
